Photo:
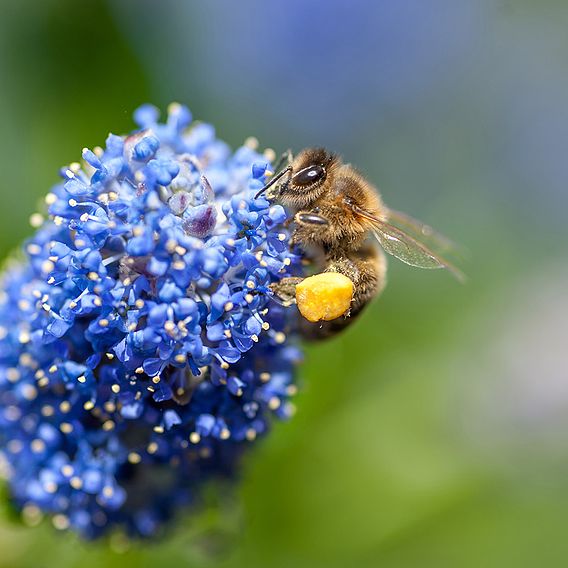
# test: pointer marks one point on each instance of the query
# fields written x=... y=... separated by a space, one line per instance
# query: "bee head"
x=303 y=181
x=307 y=180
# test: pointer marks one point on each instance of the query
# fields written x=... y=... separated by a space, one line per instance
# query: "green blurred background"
x=435 y=431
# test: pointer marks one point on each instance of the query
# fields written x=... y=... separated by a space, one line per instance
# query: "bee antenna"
x=285 y=171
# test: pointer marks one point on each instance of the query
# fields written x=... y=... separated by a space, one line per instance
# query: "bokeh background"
x=435 y=431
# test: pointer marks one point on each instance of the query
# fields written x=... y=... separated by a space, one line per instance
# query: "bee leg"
x=366 y=268
x=347 y=267
x=285 y=289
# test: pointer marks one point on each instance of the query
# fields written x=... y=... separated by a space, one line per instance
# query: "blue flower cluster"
x=140 y=350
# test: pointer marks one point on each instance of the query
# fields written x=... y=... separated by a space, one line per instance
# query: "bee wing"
x=422 y=232
x=406 y=248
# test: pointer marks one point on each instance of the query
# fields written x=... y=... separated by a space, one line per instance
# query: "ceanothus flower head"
x=140 y=350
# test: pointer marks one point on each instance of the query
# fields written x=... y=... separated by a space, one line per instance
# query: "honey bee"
x=335 y=211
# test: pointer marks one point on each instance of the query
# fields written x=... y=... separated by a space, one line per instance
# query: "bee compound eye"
x=309 y=175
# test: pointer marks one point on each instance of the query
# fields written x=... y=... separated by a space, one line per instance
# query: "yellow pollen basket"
x=325 y=296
